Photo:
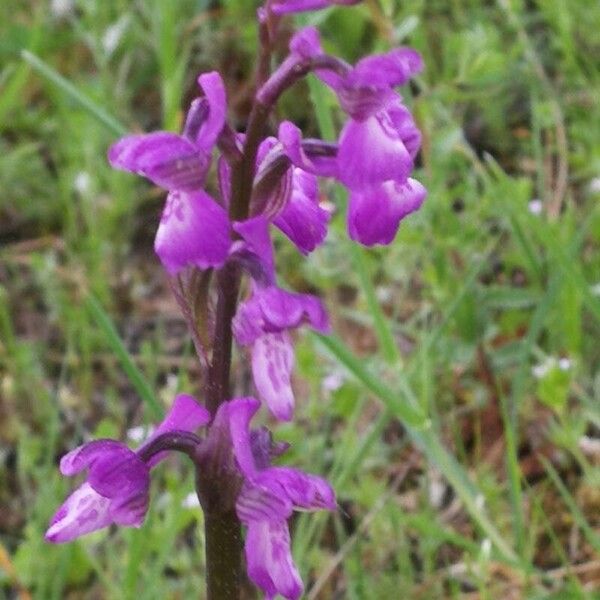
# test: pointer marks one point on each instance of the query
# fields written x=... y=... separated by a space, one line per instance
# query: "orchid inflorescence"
x=207 y=242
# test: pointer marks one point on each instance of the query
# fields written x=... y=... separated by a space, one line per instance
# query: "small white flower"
x=332 y=382
x=82 y=182
x=190 y=501
x=540 y=371
x=594 y=185
x=61 y=9
x=113 y=34
x=536 y=206
x=564 y=364
x=138 y=434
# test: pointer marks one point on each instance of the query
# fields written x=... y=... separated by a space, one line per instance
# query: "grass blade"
x=135 y=376
x=85 y=102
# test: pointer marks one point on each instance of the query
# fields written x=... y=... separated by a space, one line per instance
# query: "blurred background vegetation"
x=483 y=314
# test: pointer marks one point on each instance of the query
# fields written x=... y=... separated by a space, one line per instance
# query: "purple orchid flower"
x=378 y=144
x=281 y=7
x=264 y=320
x=267 y=499
x=194 y=228
x=116 y=488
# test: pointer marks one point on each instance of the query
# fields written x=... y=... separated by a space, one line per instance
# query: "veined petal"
x=303 y=490
x=302 y=220
x=167 y=159
x=285 y=310
x=271 y=310
x=214 y=90
x=406 y=127
x=248 y=322
x=260 y=503
x=194 y=230
x=238 y=413
x=83 y=456
x=323 y=165
x=272 y=364
x=371 y=152
x=185 y=414
x=84 y=511
x=120 y=475
x=255 y=233
x=306 y=42
x=375 y=214
x=114 y=469
x=386 y=70
x=282 y=7
x=269 y=559
x=130 y=511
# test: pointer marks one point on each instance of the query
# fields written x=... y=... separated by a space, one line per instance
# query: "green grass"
x=457 y=470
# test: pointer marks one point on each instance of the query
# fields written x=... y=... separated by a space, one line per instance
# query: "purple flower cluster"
x=203 y=229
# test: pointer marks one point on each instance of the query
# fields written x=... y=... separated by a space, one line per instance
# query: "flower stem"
x=223 y=555
x=223 y=535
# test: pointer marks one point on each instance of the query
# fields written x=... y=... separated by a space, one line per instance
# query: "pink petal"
x=194 y=230
x=82 y=512
x=303 y=490
x=185 y=414
x=238 y=414
x=375 y=214
x=260 y=503
x=302 y=220
x=269 y=559
x=272 y=364
x=285 y=310
x=167 y=159
x=83 y=456
x=290 y=137
x=390 y=69
x=214 y=90
x=371 y=152
x=255 y=233
x=406 y=127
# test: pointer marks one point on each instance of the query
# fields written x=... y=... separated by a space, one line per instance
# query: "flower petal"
x=194 y=230
x=386 y=70
x=255 y=233
x=237 y=415
x=282 y=7
x=82 y=512
x=167 y=159
x=119 y=475
x=371 y=152
x=303 y=490
x=375 y=214
x=269 y=559
x=83 y=456
x=272 y=364
x=185 y=414
x=406 y=127
x=130 y=511
x=302 y=220
x=260 y=503
x=321 y=162
x=285 y=310
x=214 y=90
x=248 y=322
